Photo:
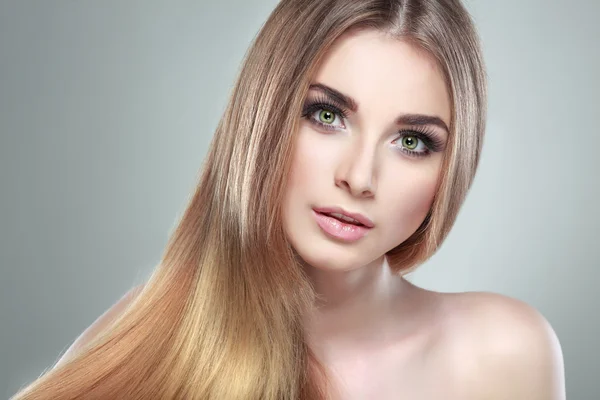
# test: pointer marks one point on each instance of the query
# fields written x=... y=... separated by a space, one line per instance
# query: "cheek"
x=307 y=165
x=408 y=205
x=311 y=160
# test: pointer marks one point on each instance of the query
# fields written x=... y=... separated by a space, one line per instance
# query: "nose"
x=356 y=170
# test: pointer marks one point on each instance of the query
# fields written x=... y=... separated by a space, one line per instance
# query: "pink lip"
x=357 y=216
x=338 y=229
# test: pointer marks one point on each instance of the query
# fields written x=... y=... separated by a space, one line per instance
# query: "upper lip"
x=357 y=216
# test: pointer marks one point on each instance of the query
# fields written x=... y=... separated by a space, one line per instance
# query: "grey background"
x=107 y=108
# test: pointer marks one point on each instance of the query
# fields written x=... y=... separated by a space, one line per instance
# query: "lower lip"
x=340 y=230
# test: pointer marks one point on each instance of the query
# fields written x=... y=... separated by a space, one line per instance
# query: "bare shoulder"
x=505 y=348
x=102 y=322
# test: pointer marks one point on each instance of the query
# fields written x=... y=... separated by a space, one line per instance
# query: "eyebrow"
x=403 y=119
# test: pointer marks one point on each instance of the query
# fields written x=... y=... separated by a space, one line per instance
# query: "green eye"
x=410 y=142
x=326 y=116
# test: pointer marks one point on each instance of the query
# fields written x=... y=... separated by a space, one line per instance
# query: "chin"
x=329 y=258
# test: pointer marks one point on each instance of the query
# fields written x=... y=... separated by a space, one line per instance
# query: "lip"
x=357 y=216
x=339 y=230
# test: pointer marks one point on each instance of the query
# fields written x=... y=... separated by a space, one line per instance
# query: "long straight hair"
x=221 y=315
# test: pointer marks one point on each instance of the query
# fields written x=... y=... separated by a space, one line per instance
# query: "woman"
x=344 y=155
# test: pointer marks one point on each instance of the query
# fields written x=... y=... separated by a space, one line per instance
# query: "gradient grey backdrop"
x=107 y=108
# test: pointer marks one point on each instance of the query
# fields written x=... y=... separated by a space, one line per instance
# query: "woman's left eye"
x=410 y=141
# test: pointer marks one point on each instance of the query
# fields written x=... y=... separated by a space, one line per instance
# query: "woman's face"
x=362 y=162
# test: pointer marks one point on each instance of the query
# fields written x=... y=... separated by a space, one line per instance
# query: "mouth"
x=344 y=216
x=342 y=227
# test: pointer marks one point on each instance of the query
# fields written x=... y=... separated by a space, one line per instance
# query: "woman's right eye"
x=324 y=116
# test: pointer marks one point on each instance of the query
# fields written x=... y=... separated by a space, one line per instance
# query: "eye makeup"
x=321 y=102
x=423 y=133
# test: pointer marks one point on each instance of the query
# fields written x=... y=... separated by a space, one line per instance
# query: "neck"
x=355 y=307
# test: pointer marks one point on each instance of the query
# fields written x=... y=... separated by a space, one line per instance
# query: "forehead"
x=385 y=76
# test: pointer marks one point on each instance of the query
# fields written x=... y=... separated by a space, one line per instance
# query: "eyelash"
x=430 y=139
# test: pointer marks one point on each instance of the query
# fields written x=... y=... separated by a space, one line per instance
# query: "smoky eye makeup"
x=322 y=102
x=431 y=139
x=424 y=134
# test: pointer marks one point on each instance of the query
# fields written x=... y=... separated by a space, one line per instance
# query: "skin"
x=380 y=336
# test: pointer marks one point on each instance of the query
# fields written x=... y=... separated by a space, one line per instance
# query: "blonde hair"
x=221 y=315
